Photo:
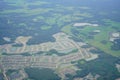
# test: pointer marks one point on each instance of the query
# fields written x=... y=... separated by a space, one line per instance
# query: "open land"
x=75 y=26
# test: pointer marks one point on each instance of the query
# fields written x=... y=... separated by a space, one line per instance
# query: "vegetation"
x=67 y=29
x=45 y=27
x=10 y=71
x=103 y=66
x=26 y=54
x=1 y=76
x=17 y=45
x=42 y=18
x=42 y=74
x=116 y=45
x=53 y=51
x=99 y=40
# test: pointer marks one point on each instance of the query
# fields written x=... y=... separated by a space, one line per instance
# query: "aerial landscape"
x=59 y=40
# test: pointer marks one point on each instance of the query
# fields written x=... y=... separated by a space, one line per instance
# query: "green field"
x=96 y=41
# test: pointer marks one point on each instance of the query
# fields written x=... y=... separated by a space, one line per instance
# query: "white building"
x=114 y=36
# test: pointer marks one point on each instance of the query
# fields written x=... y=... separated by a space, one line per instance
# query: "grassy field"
x=96 y=41
x=45 y=27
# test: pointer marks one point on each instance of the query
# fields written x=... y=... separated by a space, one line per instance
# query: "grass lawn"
x=67 y=29
x=104 y=35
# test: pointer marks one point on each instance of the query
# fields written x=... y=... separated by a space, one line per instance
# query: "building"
x=114 y=35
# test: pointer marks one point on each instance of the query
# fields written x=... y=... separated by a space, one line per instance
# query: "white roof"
x=116 y=34
x=85 y=24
